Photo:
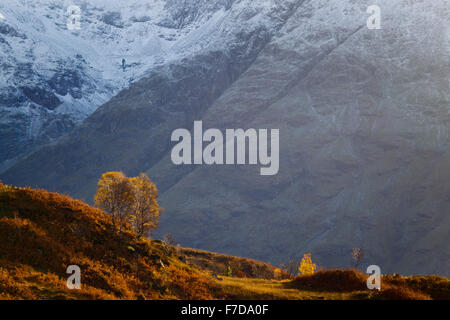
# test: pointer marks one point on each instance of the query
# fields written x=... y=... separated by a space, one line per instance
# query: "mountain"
x=43 y=233
x=53 y=75
x=364 y=135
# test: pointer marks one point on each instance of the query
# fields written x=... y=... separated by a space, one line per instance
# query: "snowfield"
x=52 y=78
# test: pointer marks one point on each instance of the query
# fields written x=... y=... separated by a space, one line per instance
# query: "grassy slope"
x=240 y=267
x=42 y=233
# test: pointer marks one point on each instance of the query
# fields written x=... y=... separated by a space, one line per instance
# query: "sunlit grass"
x=241 y=288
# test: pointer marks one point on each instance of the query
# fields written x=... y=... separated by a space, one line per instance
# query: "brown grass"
x=436 y=287
x=392 y=287
x=338 y=280
x=390 y=292
x=240 y=267
x=42 y=233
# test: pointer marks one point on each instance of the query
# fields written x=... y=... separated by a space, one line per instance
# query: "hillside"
x=41 y=233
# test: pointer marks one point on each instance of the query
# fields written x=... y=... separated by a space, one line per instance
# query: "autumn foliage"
x=42 y=233
x=129 y=200
x=307 y=267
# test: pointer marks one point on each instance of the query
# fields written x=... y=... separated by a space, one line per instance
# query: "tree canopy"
x=129 y=200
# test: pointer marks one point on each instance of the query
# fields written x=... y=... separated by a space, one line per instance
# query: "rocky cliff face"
x=54 y=75
x=364 y=135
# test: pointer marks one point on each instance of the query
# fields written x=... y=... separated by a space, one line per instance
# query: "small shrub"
x=291 y=267
x=228 y=271
x=358 y=255
x=277 y=273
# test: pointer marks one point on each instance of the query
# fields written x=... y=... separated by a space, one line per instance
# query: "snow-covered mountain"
x=53 y=75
